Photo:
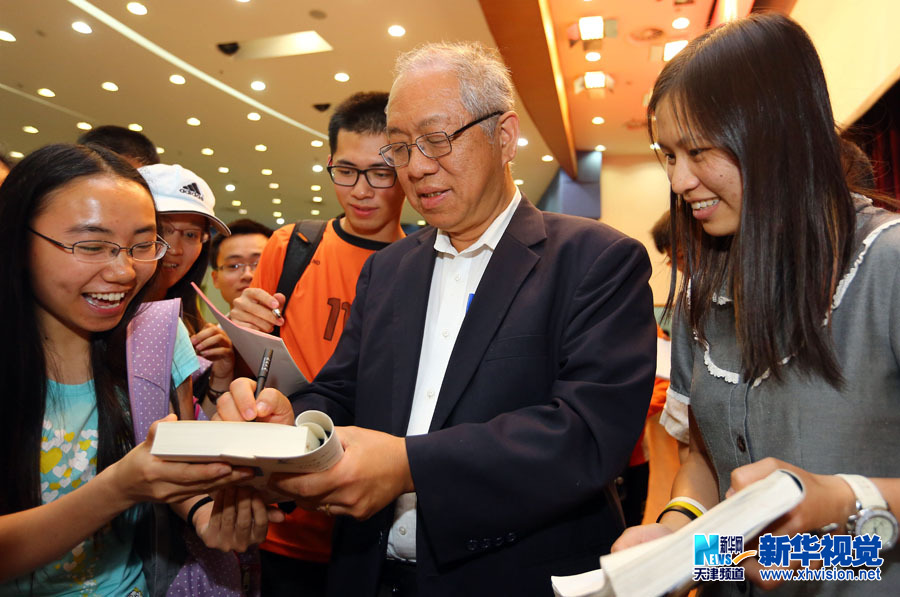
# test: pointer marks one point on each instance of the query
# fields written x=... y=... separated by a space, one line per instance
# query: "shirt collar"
x=489 y=238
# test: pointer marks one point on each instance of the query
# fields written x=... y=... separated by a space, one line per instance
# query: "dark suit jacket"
x=544 y=397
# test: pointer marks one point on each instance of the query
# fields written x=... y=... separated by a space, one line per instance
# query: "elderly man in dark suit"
x=497 y=366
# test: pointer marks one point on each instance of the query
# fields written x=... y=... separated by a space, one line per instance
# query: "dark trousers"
x=632 y=486
x=286 y=577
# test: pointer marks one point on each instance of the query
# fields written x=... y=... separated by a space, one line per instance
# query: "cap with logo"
x=178 y=190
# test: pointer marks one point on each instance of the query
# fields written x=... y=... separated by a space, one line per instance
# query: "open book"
x=251 y=344
x=311 y=445
x=667 y=564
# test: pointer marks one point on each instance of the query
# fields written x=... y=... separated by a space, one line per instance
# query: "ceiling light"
x=7 y=36
x=193 y=121
x=314 y=212
x=522 y=141
x=135 y=127
x=276 y=201
x=273 y=185
x=82 y=27
x=317 y=168
x=260 y=147
x=236 y=202
x=207 y=151
x=223 y=169
x=595 y=79
x=16 y=154
x=317 y=199
x=600 y=148
x=280 y=221
x=421 y=222
x=43 y=91
x=110 y=86
x=591 y=27
x=160 y=150
x=265 y=172
x=230 y=188
x=242 y=211
x=592 y=56
x=277 y=214
x=243 y=1
x=598 y=120
x=396 y=31
x=30 y=130
x=85 y=126
x=519 y=181
x=342 y=77
x=257 y=86
x=136 y=8
x=177 y=79
x=681 y=23
x=316 y=143
x=672 y=48
x=547 y=158
x=315 y=187
x=253 y=116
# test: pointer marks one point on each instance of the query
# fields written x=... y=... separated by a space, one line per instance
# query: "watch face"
x=878 y=522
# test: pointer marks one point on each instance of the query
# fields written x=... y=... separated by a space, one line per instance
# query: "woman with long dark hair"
x=786 y=342
x=78 y=236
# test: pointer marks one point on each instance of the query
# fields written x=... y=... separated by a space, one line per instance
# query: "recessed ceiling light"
x=519 y=181
x=109 y=86
x=522 y=141
x=136 y=8
x=316 y=143
x=257 y=86
x=342 y=77
x=207 y=151
x=135 y=127
x=314 y=212
x=260 y=147
x=681 y=23
x=279 y=221
x=160 y=150
x=85 y=126
x=600 y=148
x=598 y=120
x=253 y=116
x=547 y=158
x=672 y=48
x=7 y=36
x=273 y=185
x=396 y=31
x=16 y=154
x=277 y=214
x=317 y=199
x=265 y=172
x=43 y=91
x=223 y=169
x=315 y=187
x=193 y=121
x=421 y=222
x=177 y=79
x=317 y=168
x=30 y=129
x=592 y=56
x=230 y=188
x=590 y=27
x=82 y=27
x=595 y=79
x=243 y=1
x=276 y=201
x=236 y=202
x=242 y=211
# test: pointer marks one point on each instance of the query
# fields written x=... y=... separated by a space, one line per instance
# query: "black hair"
x=125 y=142
x=662 y=233
x=237 y=227
x=754 y=88
x=23 y=363
x=362 y=113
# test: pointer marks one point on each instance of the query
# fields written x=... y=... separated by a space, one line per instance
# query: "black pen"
x=263 y=371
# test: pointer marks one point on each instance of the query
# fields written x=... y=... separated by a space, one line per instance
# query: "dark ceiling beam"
x=523 y=32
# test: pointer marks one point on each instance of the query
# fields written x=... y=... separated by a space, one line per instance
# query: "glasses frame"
x=232 y=268
x=364 y=172
x=204 y=235
x=450 y=138
x=119 y=248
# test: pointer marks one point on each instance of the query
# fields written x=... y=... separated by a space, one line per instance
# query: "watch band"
x=867 y=493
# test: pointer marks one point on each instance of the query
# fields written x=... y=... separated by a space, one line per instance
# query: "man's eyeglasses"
x=103 y=251
x=432 y=145
x=237 y=268
x=378 y=178
x=191 y=236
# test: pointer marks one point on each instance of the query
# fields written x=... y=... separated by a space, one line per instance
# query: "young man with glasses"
x=233 y=259
x=296 y=551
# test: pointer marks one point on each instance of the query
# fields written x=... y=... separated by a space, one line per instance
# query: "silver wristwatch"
x=873 y=517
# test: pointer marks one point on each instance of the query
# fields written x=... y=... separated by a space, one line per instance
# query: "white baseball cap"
x=178 y=190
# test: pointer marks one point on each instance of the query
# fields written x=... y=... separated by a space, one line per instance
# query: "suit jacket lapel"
x=512 y=261
x=410 y=291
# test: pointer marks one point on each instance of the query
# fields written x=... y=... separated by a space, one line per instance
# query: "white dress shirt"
x=453 y=286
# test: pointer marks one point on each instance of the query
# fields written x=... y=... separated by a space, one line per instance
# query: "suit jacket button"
x=471 y=544
x=485 y=544
x=511 y=537
x=498 y=542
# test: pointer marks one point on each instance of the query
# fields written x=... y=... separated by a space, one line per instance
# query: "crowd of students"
x=497 y=366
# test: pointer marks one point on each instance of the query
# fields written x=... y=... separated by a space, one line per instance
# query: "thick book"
x=666 y=565
x=310 y=445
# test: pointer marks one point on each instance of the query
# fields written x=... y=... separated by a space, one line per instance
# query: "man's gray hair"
x=485 y=84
